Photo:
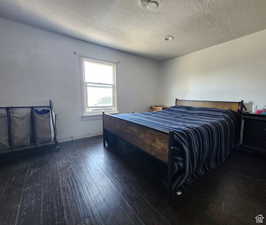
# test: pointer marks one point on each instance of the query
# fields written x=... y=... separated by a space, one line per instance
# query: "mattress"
x=179 y=118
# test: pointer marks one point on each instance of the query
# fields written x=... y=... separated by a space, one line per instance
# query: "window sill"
x=97 y=114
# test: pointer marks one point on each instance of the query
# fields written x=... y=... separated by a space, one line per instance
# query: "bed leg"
x=104 y=134
x=105 y=144
x=103 y=139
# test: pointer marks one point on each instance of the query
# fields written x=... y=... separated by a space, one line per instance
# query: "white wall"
x=233 y=70
x=36 y=66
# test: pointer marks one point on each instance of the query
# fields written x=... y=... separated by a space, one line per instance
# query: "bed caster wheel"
x=179 y=193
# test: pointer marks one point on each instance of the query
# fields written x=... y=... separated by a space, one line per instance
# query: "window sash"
x=108 y=107
x=89 y=109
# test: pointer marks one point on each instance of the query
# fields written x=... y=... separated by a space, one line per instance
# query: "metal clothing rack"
x=33 y=143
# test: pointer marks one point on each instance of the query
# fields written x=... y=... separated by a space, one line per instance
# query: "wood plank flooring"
x=83 y=184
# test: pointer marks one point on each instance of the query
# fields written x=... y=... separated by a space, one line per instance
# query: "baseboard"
x=61 y=140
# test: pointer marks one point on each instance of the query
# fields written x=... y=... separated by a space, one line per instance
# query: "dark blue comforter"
x=202 y=138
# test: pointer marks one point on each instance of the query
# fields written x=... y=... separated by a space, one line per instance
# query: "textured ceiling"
x=124 y=25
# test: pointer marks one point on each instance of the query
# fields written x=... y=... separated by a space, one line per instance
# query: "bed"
x=190 y=137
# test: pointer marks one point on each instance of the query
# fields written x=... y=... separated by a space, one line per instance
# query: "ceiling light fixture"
x=169 y=37
x=150 y=4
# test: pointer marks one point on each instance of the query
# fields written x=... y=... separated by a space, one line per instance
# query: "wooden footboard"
x=152 y=141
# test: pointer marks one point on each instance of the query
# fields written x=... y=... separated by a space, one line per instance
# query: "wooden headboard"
x=235 y=106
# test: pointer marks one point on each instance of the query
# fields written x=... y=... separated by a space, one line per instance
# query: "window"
x=99 y=85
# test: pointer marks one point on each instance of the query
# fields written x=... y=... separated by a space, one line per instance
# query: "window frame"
x=98 y=110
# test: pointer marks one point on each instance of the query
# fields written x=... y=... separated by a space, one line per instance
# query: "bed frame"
x=156 y=143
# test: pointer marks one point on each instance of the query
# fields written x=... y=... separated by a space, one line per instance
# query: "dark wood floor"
x=85 y=184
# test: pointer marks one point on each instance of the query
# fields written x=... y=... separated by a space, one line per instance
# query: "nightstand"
x=156 y=108
x=253 y=132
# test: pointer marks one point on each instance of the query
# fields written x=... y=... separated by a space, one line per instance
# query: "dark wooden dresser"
x=253 y=137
